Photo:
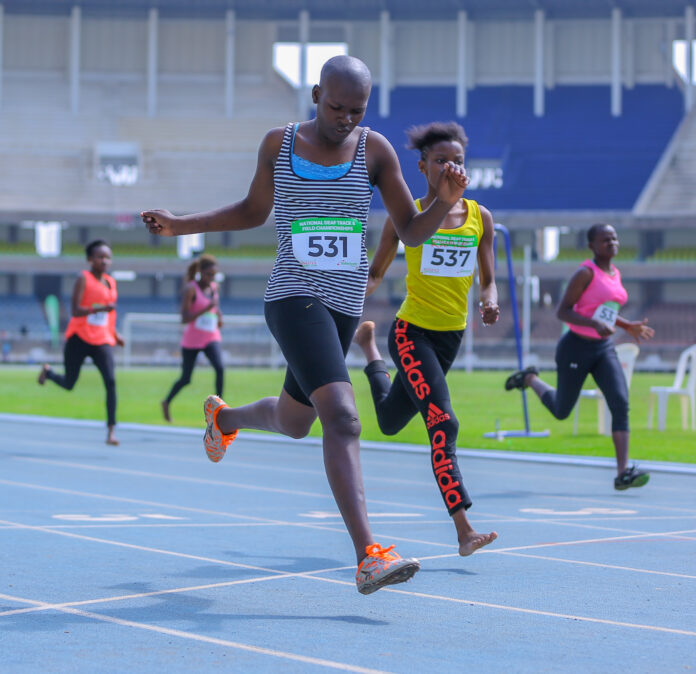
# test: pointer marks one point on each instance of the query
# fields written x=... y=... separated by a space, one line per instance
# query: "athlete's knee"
x=563 y=412
x=343 y=421
x=389 y=426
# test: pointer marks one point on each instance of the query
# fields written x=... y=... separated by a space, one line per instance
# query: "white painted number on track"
x=582 y=511
x=115 y=517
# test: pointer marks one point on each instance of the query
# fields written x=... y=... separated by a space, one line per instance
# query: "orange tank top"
x=98 y=328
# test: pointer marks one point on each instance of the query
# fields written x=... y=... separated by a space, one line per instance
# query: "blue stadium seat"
x=576 y=157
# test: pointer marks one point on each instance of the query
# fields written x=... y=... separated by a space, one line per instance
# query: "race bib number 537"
x=327 y=243
x=449 y=255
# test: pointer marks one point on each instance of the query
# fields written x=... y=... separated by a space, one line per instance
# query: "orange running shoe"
x=383 y=567
x=215 y=440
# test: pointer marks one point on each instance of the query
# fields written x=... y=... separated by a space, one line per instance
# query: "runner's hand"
x=451 y=183
x=490 y=313
x=160 y=222
x=640 y=331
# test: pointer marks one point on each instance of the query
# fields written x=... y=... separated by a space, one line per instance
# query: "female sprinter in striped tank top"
x=200 y=312
x=425 y=337
x=590 y=307
x=92 y=330
x=319 y=176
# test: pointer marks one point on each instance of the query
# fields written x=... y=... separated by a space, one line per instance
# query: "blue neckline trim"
x=309 y=170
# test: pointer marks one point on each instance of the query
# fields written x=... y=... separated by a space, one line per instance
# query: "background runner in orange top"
x=91 y=331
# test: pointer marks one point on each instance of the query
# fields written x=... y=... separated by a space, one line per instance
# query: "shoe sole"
x=212 y=438
x=640 y=481
x=401 y=575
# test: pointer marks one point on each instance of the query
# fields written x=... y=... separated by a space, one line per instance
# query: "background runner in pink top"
x=200 y=312
x=590 y=307
x=204 y=328
x=601 y=300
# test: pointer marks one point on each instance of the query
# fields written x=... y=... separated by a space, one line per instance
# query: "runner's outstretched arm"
x=488 y=296
x=250 y=212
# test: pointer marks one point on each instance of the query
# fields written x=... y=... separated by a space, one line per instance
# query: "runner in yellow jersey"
x=427 y=332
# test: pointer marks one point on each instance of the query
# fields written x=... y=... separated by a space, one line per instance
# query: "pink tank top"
x=601 y=300
x=204 y=329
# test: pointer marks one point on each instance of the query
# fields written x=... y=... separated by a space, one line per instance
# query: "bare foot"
x=364 y=334
x=165 y=411
x=46 y=368
x=365 y=338
x=474 y=541
x=111 y=439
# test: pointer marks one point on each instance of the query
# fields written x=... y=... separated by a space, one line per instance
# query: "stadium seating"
x=577 y=156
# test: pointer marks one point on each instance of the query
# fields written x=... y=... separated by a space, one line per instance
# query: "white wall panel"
x=583 y=52
x=504 y=52
x=191 y=46
x=425 y=52
x=254 y=48
x=114 y=45
x=650 y=50
x=365 y=45
x=35 y=42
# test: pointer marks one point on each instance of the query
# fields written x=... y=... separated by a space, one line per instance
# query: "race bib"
x=100 y=318
x=207 y=322
x=607 y=313
x=327 y=243
x=449 y=255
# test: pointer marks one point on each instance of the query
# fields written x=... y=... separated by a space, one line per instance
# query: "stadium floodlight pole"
x=526 y=433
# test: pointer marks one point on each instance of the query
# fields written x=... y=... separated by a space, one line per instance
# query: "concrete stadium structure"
x=574 y=108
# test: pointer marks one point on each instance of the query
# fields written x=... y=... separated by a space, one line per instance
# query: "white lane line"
x=598 y=564
x=142 y=548
x=313 y=442
x=43 y=606
x=223 y=483
x=409 y=522
x=175 y=478
x=550 y=614
x=325 y=527
x=537 y=546
x=207 y=481
x=613 y=502
x=170 y=506
x=259 y=650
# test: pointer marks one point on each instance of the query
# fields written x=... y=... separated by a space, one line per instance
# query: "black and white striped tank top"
x=320 y=225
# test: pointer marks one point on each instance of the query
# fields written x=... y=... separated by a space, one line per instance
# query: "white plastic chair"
x=627 y=354
x=687 y=393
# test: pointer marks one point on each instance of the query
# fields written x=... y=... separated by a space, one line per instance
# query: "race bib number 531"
x=327 y=243
x=449 y=255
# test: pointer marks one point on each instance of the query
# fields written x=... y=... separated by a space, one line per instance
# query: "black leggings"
x=213 y=353
x=575 y=359
x=423 y=358
x=314 y=340
x=74 y=354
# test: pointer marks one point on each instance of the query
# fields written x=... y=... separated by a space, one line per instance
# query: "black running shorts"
x=314 y=340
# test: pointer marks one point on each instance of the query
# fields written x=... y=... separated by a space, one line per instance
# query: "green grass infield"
x=479 y=401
